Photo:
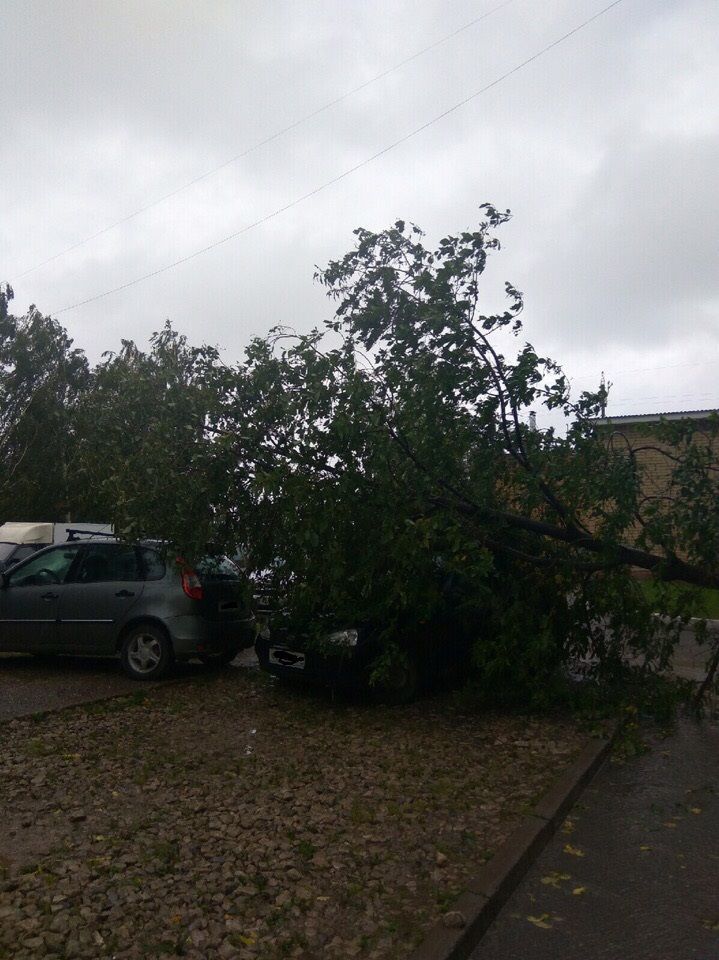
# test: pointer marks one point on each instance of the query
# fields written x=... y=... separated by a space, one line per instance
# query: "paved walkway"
x=637 y=874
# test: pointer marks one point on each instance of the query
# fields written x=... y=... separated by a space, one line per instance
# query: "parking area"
x=237 y=817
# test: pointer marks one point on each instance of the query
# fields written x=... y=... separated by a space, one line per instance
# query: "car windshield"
x=217 y=568
x=6 y=549
x=49 y=566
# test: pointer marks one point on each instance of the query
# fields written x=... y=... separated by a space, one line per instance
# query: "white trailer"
x=20 y=540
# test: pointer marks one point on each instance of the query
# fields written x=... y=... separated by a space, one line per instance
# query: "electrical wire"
x=350 y=170
x=268 y=139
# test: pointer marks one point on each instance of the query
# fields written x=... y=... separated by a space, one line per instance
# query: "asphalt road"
x=29 y=685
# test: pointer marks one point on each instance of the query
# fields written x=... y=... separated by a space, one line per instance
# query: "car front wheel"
x=146 y=653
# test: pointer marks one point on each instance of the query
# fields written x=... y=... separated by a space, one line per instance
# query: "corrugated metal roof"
x=655 y=417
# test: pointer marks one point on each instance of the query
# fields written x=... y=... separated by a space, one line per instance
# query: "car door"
x=30 y=596
x=105 y=584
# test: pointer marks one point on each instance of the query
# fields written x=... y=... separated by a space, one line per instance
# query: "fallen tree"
x=400 y=435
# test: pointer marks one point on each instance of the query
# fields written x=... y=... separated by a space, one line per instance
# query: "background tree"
x=41 y=379
x=148 y=458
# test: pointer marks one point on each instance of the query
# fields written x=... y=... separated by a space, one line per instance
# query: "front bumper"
x=341 y=667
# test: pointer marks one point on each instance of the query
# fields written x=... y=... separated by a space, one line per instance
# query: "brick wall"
x=656 y=469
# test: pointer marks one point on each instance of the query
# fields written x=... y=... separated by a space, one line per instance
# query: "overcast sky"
x=606 y=149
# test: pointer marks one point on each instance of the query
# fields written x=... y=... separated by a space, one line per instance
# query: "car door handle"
x=125 y=593
x=49 y=596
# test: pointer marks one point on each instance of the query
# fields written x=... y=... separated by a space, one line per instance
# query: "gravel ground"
x=233 y=817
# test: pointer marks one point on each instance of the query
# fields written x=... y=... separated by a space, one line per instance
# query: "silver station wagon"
x=135 y=601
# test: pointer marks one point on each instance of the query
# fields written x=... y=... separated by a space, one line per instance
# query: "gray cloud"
x=605 y=149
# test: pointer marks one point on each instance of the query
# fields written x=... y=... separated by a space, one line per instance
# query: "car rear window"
x=217 y=568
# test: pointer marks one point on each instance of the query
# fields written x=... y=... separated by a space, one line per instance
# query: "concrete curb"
x=488 y=891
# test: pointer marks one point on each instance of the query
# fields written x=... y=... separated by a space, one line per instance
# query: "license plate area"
x=281 y=657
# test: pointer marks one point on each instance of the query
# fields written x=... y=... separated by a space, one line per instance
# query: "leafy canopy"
x=370 y=463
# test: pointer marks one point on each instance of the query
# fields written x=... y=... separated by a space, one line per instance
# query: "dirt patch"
x=239 y=818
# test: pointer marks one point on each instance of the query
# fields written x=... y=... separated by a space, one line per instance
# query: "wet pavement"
x=29 y=685
x=634 y=872
x=690 y=658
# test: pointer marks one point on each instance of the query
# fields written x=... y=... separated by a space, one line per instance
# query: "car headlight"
x=343 y=638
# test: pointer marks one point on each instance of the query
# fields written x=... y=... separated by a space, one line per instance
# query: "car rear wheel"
x=146 y=653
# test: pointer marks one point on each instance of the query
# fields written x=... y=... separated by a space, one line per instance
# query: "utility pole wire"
x=350 y=170
x=269 y=139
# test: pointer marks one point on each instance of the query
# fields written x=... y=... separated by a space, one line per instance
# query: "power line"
x=268 y=139
x=350 y=170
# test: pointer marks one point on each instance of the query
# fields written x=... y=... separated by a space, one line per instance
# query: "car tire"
x=220 y=659
x=402 y=684
x=146 y=652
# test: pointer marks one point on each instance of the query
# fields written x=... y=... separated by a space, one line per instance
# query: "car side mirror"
x=3 y=581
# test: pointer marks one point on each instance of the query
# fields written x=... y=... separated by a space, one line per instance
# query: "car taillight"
x=191 y=583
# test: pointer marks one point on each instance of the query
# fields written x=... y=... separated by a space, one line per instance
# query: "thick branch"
x=667 y=568
x=649 y=448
